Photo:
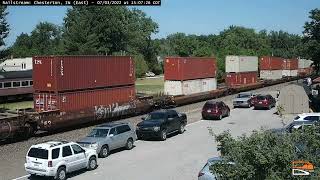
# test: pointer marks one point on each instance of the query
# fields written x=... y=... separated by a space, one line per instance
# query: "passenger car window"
x=174 y=114
x=31 y=83
x=122 y=129
x=16 y=84
x=77 y=149
x=24 y=83
x=113 y=131
x=55 y=153
x=7 y=84
x=0 y=85
x=66 y=151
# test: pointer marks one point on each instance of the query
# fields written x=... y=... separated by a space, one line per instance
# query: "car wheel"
x=61 y=174
x=220 y=117
x=163 y=135
x=228 y=113
x=104 y=152
x=129 y=144
x=93 y=163
x=181 y=129
x=269 y=107
x=204 y=118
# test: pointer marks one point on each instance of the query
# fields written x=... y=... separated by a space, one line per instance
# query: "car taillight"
x=49 y=163
x=200 y=174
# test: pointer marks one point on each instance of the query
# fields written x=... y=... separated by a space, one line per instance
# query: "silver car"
x=206 y=173
x=243 y=99
x=110 y=136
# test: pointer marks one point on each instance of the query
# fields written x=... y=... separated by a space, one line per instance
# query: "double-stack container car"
x=290 y=67
x=241 y=70
x=189 y=75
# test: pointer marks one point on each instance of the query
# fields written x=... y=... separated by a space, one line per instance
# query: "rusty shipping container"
x=271 y=63
x=80 y=100
x=234 y=79
x=290 y=64
x=71 y=73
x=238 y=64
x=188 y=68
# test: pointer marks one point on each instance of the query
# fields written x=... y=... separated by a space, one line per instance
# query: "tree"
x=45 y=39
x=4 y=30
x=311 y=38
x=266 y=155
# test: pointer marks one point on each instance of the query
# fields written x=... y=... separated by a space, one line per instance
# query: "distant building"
x=16 y=64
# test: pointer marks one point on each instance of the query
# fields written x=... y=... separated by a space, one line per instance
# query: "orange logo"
x=302 y=168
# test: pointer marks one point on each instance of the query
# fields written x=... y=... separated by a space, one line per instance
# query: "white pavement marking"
x=21 y=177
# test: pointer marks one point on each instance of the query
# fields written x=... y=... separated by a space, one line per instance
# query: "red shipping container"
x=233 y=79
x=81 y=100
x=188 y=68
x=69 y=73
x=270 y=63
x=290 y=64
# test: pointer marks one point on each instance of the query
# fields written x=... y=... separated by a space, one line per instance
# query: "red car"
x=215 y=109
x=264 y=101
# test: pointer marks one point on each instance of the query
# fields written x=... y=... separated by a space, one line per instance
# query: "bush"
x=266 y=155
x=141 y=66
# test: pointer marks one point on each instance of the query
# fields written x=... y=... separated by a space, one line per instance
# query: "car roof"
x=213 y=102
x=51 y=144
x=111 y=124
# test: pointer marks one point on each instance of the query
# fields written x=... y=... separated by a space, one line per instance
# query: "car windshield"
x=38 y=153
x=210 y=105
x=296 y=118
x=261 y=97
x=99 y=133
x=155 y=116
x=243 y=96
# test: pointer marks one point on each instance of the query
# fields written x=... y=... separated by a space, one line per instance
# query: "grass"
x=17 y=105
x=150 y=85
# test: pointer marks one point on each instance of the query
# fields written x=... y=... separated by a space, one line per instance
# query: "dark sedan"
x=159 y=124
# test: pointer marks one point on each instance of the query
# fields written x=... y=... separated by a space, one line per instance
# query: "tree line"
x=124 y=31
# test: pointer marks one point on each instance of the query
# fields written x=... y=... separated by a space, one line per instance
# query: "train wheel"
x=29 y=130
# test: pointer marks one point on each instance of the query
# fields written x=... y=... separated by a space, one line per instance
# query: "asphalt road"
x=180 y=156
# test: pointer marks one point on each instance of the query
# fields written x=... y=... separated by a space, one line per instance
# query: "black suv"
x=161 y=123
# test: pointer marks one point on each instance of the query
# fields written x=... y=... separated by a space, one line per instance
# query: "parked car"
x=110 y=136
x=264 y=101
x=215 y=109
x=295 y=125
x=206 y=174
x=57 y=158
x=244 y=99
x=308 y=117
x=161 y=123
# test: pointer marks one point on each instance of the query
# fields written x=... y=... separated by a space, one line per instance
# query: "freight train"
x=16 y=85
x=64 y=97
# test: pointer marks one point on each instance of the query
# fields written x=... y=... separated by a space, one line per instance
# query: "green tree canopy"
x=312 y=37
x=4 y=30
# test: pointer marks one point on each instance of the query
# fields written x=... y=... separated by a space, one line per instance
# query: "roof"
x=212 y=102
x=50 y=144
x=16 y=74
x=110 y=125
x=309 y=114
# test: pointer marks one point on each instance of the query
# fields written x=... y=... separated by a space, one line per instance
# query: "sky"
x=201 y=17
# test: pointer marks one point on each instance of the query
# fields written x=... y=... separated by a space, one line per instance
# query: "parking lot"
x=180 y=156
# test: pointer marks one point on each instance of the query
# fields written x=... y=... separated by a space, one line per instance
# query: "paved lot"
x=181 y=156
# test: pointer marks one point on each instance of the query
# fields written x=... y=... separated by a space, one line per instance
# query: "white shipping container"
x=289 y=72
x=273 y=74
x=175 y=88
x=304 y=63
x=241 y=63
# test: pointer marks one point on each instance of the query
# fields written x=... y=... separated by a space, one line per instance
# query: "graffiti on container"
x=102 y=112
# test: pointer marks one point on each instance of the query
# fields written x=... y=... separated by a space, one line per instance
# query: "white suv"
x=57 y=158
x=313 y=117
